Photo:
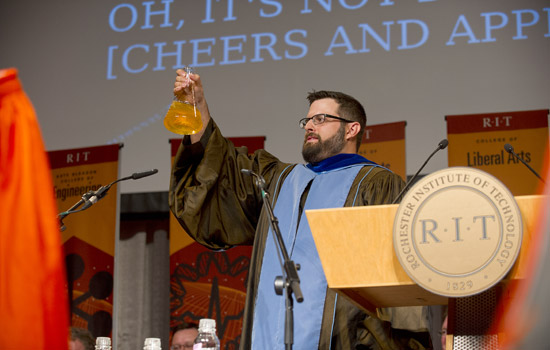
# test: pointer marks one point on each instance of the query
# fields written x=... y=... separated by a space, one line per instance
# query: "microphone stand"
x=290 y=270
x=91 y=197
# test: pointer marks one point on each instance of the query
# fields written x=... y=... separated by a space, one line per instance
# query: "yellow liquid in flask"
x=183 y=118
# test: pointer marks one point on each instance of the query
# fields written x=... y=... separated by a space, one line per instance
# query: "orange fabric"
x=33 y=294
x=516 y=315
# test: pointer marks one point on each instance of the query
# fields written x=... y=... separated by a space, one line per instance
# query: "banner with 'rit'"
x=385 y=145
x=478 y=140
x=88 y=236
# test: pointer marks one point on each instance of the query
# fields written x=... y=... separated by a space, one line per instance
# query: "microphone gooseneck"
x=442 y=145
x=102 y=191
x=90 y=198
x=508 y=148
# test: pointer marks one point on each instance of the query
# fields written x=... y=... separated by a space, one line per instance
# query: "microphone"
x=91 y=197
x=260 y=182
x=136 y=176
x=102 y=191
x=508 y=147
x=442 y=145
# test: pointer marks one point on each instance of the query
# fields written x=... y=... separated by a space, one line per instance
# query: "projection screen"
x=101 y=72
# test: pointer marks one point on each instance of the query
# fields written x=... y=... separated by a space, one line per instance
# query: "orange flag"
x=523 y=317
x=33 y=294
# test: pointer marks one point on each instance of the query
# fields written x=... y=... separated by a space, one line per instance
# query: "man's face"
x=326 y=139
x=76 y=345
x=184 y=338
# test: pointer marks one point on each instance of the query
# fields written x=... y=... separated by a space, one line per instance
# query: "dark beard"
x=314 y=153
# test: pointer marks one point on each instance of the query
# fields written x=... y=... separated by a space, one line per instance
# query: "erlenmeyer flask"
x=183 y=117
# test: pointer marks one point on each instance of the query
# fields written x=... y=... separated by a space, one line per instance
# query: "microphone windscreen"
x=136 y=176
x=508 y=147
x=443 y=144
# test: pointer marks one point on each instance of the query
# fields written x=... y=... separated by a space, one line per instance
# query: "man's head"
x=183 y=336
x=81 y=339
x=335 y=124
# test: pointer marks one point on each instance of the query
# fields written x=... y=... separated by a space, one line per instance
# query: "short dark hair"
x=85 y=337
x=182 y=326
x=349 y=108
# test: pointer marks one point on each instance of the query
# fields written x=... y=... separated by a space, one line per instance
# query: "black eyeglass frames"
x=320 y=119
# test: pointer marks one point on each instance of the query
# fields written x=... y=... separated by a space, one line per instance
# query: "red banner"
x=478 y=140
x=205 y=283
x=385 y=145
x=89 y=236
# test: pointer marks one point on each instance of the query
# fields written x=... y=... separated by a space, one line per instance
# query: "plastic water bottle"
x=207 y=338
x=152 y=344
x=103 y=343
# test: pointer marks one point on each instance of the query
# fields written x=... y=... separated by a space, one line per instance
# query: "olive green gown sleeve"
x=212 y=199
x=376 y=186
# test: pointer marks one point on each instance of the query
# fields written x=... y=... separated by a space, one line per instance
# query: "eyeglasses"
x=320 y=119
x=181 y=346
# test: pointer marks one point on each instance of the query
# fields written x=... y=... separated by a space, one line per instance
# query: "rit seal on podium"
x=457 y=232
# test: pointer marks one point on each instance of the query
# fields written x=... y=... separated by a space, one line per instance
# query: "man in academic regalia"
x=221 y=207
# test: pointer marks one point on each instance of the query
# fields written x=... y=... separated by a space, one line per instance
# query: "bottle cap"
x=207 y=324
x=152 y=343
x=103 y=341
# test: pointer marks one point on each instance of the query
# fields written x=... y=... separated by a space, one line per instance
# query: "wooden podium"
x=355 y=246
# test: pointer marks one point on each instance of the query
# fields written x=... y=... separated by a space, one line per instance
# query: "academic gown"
x=221 y=207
